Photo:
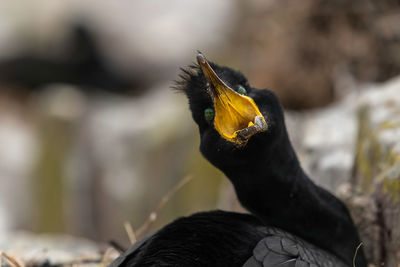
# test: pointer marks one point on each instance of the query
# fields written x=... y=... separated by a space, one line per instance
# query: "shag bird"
x=84 y=66
x=293 y=222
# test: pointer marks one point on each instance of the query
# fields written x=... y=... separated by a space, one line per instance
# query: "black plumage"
x=293 y=223
x=220 y=238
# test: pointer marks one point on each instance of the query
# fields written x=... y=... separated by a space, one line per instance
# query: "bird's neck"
x=276 y=189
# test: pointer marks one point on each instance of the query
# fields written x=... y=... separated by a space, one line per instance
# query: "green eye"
x=209 y=114
x=241 y=90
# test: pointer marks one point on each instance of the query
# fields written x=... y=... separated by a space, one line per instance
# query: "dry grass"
x=144 y=229
x=110 y=253
x=355 y=254
x=14 y=262
x=130 y=232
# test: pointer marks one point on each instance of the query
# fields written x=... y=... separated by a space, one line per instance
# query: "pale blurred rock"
x=17 y=153
x=325 y=142
x=33 y=249
x=326 y=138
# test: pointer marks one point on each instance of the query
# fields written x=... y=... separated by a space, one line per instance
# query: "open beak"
x=237 y=117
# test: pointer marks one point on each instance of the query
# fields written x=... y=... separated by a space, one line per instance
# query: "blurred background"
x=91 y=133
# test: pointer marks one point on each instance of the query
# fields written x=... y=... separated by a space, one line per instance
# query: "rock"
x=34 y=249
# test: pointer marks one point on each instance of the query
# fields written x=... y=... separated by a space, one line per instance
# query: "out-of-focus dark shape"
x=84 y=66
x=304 y=50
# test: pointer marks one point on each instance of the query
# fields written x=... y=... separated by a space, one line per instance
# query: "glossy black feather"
x=221 y=238
x=294 y=221
x=204 y=239
x=283 y=249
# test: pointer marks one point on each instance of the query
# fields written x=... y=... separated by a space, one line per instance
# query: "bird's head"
x=235 y=120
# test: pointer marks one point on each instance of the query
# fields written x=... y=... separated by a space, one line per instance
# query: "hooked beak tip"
x=201 y=59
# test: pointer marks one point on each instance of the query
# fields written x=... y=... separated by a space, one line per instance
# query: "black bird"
x=293 y=222
x=84 y=66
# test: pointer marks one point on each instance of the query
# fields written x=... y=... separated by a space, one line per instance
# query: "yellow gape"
x=237 y=117
x=233 y=112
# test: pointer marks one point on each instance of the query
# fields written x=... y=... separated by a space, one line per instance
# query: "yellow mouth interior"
x=237 y=117
x=233 y=112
